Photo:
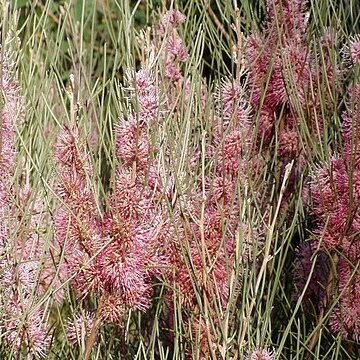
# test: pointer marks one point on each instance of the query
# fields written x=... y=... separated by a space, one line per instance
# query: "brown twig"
x=93 y=334
x=49 y=13
x=217 y=21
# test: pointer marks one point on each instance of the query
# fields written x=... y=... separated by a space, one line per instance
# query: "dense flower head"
x=346 y=316
x=143 y=93
x=140 y=81
x=77 y=226
x=132 y=144
x=172 y=19
x=352 y=51
x=112 y=309
x=176 y=48
x=289 y=143
x=224 y=189
x=124 y=273
x=261 y=354
x=149 y=106
x=25 y=329
x=230 y=159
x=229 y=93
x=351 y=125
x=79 y=327
x=288 y=15
x=266 y=126
x=71 y=153
x=84 y=273
x=330 y=192
x=232 y=103
x=124 y=263
x=130 y=200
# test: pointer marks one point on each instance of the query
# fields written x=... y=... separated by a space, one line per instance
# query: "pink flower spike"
x=140 y=81
x=172 y=19
x=177 y=48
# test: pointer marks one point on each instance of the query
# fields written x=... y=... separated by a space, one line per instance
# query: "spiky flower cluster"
x=284 y=82
x=280 y=53
x=21 y=323
x=134 y=222
x=77 y=220
x=283 y=71
x=113 y=254
x=335 y=189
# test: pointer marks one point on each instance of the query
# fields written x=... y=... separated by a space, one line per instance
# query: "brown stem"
x=91 y=339
x=94 y=333
x=217 y=21
x=49 y=13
